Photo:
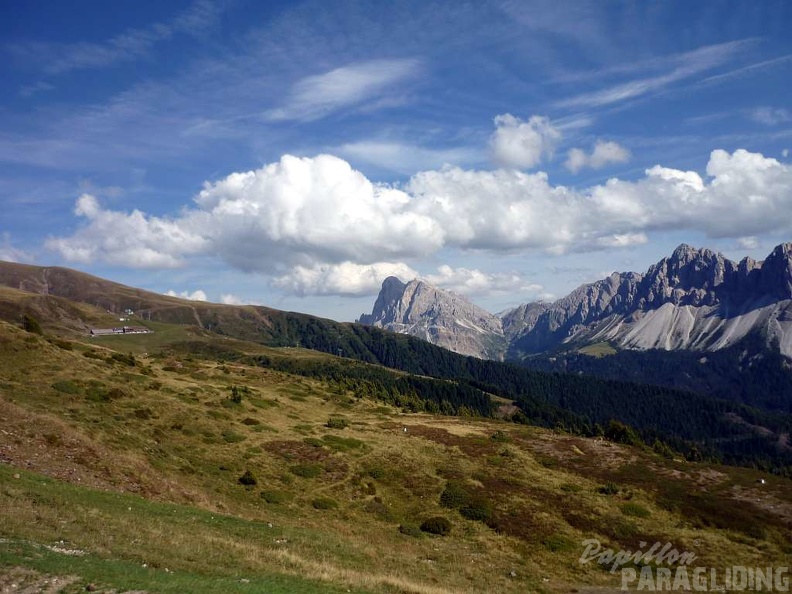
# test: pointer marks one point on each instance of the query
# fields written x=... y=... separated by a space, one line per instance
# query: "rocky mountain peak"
x=776 y=272
x=441 y=317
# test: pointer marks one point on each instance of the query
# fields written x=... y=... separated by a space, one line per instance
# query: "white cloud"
x=475 y=282
x=345 y=278
x=748 y=243
x=350 y=279
x=771 y=116
x=8 y=253
x=317 y=225
x=316 y=96
x=197 y=295
x=127 y=239
x=405 y=158
x=603 y=154
x=127 y=46
x=231 y=299
x=522 y=145
x=785 y=153
x=684 y=66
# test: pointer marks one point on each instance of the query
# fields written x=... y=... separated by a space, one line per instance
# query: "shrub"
x=376 y=472
x=62 y=344
x=250 y=421
x=609 y=488
x=236 y=395
x=411 y=530
x=455 y=495
x=231 y=436
x=336 y=423
x=128 y=359
x=436 y=525
x=306 y=470
x=247 y=479
x=31 y=324
x=92 y=355
x=275 y=497
x=341 y=444
x=66 y=386
x=324 y=503
x=557 y=543
x=500 y=436
x=477 y=508
x=635 y=510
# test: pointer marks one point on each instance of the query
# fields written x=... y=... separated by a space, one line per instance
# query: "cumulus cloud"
x=316 y=96
x=345 y=278
x=350 y=279
x=522 y=145
x=127 y=239
x=601 y=155
x=197 y=295
x=231 y=299
x=475 y=282
x=316 y=225
x=771 y=116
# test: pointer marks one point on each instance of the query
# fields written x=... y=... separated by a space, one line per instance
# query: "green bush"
x=341 y=444
x=454 y=496
x=635 y=510
x=128 y=359
x=336 y=423
x=231 y=436
x=92 y=355
x=558 y=543
x=411 y=530
x=436 y=525
x=66 y=386
x=324 y=503
x=247 y=479
x=306 y=470
x=31 y=324
x=275 y=497
x=500 y=436
x=609 y=488
x=477 y=508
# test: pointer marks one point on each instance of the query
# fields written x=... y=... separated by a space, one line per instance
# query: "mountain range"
x=693 y=300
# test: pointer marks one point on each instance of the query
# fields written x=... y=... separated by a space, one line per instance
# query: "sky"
x=295 y=154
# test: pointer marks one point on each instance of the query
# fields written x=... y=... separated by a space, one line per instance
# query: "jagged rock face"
x=694 y=299
x=440 y=317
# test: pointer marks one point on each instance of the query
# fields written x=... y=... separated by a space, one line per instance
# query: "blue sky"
x=294 y=154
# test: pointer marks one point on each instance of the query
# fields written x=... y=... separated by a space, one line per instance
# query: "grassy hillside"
x=127 y=463
x=693 y=424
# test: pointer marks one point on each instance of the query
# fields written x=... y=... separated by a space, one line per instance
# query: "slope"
x=124 y=472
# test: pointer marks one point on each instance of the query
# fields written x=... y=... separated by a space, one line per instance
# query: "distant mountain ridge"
x=695 y=299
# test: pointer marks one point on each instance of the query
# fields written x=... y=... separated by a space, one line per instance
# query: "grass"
x=600 y=349
x=141 y=463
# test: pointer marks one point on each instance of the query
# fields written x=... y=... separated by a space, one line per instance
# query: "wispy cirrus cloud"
x=60 y=58
x=316 y=96
x=676 y=68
